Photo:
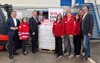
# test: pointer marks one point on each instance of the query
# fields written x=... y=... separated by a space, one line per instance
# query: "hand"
x=16 y=28
x=20 y=38
x=33 y=33
x=61 y=36
x=71 y=35
x=89 y=34
x=13 y=28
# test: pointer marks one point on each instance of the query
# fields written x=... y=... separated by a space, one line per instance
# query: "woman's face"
x=80 y=13
x=59 y=17
x=69 y=15
x=24 y=20
x=77 y=17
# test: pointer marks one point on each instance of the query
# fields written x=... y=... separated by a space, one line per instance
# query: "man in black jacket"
x=33 y=23
x=87 y=28
x=12 y=26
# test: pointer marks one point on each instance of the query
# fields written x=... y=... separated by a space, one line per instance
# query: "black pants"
x=13 y=42
x=34 y=42
x=77 y=44
x=58 y=46
x=24 y=43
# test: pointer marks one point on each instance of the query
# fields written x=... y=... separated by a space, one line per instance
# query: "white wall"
x=34 y=3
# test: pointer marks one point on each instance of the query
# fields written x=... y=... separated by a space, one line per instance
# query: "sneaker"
x=25 y=53
x=70 y=56
x=59 y=56
x=66 y=53
x=83 y=53
x=77 y=56
x=55 y=54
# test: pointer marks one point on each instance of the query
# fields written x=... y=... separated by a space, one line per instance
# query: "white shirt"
x=40 y=17
x=15 y=21
x=35 y=18
x=84 y=16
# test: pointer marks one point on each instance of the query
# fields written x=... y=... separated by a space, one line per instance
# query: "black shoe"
x=34 y=52
x=11 y=57
x=25 y=53
x=15 y=53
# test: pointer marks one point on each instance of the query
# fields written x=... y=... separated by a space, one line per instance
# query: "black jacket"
x=87 y=24
x=33 y=25
x=10 y=23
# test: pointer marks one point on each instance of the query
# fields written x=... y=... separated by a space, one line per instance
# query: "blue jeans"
x=86 y=44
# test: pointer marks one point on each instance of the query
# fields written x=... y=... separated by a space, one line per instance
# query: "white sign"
x=53 y=13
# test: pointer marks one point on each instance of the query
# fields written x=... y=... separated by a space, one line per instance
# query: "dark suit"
x=34 y=28
x=40 y=18
x=87 y=27
x=87 y=24
x=13 y=35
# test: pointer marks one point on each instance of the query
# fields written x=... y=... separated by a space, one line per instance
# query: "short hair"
x=85 y=7
x=13 y=11
x=34 y=11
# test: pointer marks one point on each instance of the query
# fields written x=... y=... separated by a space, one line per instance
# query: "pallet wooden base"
x=46 y=50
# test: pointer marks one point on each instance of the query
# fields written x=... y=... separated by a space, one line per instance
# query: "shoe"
x=83 y=53
x=70 y=56
x=11 y=57
x=59 y=56
x=25 y=53
x=55 y=54
x=77 y=56
x=15 y=53
x=83 y=59
x=33 y=52
x=66 y=53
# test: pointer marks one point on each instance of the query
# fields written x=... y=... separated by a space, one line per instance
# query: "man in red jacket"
x=69 y=31
x=66 y=47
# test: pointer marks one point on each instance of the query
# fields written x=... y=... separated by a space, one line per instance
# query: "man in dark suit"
x=12 y=26
x=87 y=28
x=33 y=23
x=41 y=17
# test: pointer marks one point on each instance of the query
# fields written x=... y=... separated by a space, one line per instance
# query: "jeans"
x=86 y=44
x=69 y=44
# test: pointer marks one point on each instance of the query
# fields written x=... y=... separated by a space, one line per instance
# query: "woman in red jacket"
x=23 y=31
x=69 y=27
x=77 y=36
x=57 y=31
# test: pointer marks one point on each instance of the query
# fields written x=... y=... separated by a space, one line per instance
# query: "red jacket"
x=23 y=31
x=69 y=26
x=57 y=29
x=78 y=28
x=63 y=21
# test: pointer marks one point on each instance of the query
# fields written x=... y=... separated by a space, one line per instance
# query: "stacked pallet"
x=46 y=38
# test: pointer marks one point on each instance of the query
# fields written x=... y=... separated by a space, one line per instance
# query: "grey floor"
x=48 y=57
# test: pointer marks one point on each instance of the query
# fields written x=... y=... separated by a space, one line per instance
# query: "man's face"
x=84 y=10
x=13 y=14
x=34 y=14
x=67 y=10
x=41 y=13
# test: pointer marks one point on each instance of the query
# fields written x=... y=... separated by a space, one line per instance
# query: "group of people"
x=75 y=31
x=22 y=30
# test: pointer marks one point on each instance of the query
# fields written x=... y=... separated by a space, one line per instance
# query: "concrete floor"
x=48 y=57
